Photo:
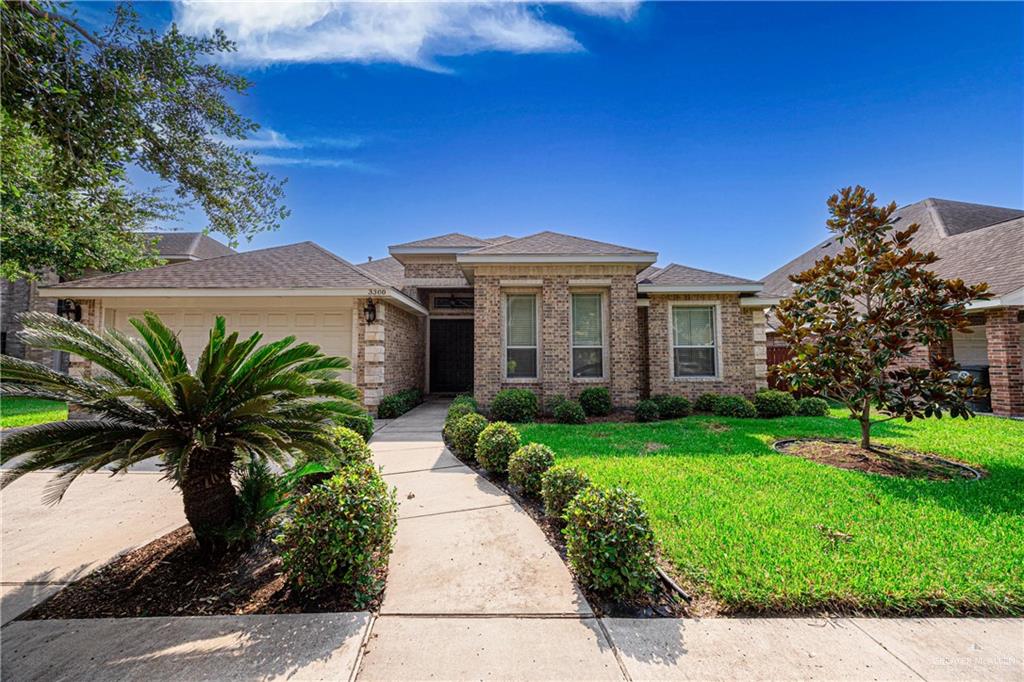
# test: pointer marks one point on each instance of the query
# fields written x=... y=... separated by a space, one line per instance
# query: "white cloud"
x=311 y=162
x=268 y=138
x=611 y=10
x=410 y=33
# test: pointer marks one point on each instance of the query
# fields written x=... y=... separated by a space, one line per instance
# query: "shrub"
x=340 y=534
x=553 y=402
x=647 y=411
x=261 y=496
x=495 y=446
x=609 y=542
x=350 y=448
x=360 y=423
x=465 y=399
x=464 y=433
x=514 y=405
x=774 y=404
x=705 y=402
x=569 y=412
x=596 y=401
x=558 y=486
x=527 y=465
x=672 y=406
x=397 y=404
x=734 y=406
x=812 y=407
x=456 y=410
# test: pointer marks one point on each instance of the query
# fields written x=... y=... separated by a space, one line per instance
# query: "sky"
x=711 y=133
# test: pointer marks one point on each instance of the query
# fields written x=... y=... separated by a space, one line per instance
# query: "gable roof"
x=387 y=269
x=677 y=277
x=969 y=246
x=455 y=240
x=554 y=247
x=188 y=245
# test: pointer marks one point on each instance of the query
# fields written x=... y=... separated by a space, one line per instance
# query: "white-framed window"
x=521 y=336
x=694 y=341
x=587 y=336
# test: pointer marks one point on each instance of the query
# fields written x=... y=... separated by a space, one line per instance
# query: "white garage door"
x=331 y=329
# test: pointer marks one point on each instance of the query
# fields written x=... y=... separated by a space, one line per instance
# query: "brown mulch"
x=879 y=459
x=168 y=577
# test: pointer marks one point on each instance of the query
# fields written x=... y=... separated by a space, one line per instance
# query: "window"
x=452 y=301
x=521 y=337
x=587 y=336
x=693 y=342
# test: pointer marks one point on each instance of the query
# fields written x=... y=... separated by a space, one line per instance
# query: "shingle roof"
x=296 y=266
x=188 y=245
x=555 y=243
x=646 y=273
x=452 y=239
x=680 y=275
x=957 y=232
x=387 y=269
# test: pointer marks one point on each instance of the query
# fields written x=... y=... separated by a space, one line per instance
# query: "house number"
x=378 y=292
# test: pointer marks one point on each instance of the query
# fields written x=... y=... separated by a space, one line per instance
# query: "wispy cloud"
x=268 y=138
x=410 y=33
x=313 y=162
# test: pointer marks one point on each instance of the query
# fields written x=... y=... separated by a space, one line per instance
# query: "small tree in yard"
x=856 y=317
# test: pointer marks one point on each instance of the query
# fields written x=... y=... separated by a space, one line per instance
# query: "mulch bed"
x=168 y=577
x=879 y=459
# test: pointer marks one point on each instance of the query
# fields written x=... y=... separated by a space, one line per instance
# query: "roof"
x=188 y=245
x=387 y=269
x=454 y=240
x=975 y=243
x=675 y=275
x=554 y=243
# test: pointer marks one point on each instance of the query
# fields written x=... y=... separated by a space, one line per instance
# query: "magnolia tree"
x=855 y=318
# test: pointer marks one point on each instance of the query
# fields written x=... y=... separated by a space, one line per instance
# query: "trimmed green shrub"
x=527 y=465
x=515 y=405
x=495 y=445
x=558 y=486
x=553 y=402
x=705 y=402
x=774 y=404
x=596 y=401
x=609 y=542
x=397 y=404
x=647 y=411
x=350 y=448
x=360 y=423
x=672 y=406
x=456 y=410
x=465 y=399
x=464 y=433
x=734 y=406
x=340 y=534
x=812 y=406
x=569 y=412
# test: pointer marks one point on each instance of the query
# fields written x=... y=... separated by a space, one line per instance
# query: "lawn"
x=756 y=530
x=28 y=411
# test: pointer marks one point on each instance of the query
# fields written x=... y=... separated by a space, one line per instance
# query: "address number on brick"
x=378 y=292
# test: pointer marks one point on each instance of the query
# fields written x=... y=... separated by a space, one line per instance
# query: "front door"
x=451 y=355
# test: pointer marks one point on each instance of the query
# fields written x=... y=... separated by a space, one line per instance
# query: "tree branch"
x=41 y=13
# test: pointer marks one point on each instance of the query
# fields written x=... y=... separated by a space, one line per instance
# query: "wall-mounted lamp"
x=370 y=311
x=69 y=310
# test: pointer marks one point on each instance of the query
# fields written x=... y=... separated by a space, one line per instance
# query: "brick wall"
x=643 y=354
x=432 y=270
x=389 y=356
x=1005 y=360
x=16 y=298
x=92 y=317
x=741 y=342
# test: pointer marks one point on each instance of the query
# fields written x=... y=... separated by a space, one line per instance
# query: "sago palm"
x=243 y=400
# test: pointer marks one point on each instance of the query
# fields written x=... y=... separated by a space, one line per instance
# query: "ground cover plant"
x=754 y=530
x=15 y=412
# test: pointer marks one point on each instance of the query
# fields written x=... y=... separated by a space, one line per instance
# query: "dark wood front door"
x=451 y=356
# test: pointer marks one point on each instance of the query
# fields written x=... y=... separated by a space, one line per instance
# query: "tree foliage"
x=79 y=110
x=854 y=319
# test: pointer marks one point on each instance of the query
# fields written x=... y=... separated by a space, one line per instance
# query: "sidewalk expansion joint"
x=524 y=616
x=420 y=471
x=615 y=650
x=455 y=511
x=887 y=650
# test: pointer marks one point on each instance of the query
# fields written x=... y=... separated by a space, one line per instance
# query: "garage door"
x=329 y=329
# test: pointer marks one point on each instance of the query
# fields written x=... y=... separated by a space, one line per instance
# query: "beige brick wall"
x=389 y=353
x=432 y=270
x=741 y=345
x=554 y=285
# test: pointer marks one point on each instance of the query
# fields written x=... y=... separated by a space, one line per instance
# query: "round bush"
x=774 y=404
x=464 y=433
x=515 y=405
x=735 y=406
x=527 y=465
x=812 y=407
x=569 y=412
x=349 y=448
x=705 y=402
x=647 y=411
x=360 y=423
x=672 y=406
x=596 y=401
x=553 y=402
x=496 y=444
x=456 y=410
x=558 y=486
x=609 y=542
x=340 y=533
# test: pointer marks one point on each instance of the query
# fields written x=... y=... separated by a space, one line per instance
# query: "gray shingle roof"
x=970 y=246
x=188 y=245
x=452 y=239
x=387 y=269
x=296 y=266
x=555 y=243
x=680 y=275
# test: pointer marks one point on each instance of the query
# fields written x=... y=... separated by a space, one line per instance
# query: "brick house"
x=976 y=243
x=551 y=312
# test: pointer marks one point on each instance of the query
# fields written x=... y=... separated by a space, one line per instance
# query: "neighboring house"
x=975 y=243
x=22 y=295
x=550 y=312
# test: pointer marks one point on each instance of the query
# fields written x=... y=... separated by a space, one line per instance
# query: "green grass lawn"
x=28 y=411
x=750 y=527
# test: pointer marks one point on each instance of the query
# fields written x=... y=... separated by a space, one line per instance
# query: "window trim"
x=505 y=378
x=716 y=307
x=604 y=335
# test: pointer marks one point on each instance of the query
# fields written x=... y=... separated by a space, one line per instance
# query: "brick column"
x=1006 y=367
x=760 y=350
x=487 y=337
x=555 y=346
x=370 y=356
x=625 y=343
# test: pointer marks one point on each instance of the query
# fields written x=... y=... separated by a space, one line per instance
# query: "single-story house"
x=550 y=312
x=976 y=243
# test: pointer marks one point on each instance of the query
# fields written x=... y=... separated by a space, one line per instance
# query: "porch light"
x=69 y=310
x=370 y=311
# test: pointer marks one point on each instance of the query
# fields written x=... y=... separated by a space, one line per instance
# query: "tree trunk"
x=865 y=426
x=210 y=500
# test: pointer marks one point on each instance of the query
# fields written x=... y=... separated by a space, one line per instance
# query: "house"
x=22 y=295
x=551 y=312
x=976 y=243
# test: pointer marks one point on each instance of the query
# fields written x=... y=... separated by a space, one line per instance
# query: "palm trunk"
x=210 y=500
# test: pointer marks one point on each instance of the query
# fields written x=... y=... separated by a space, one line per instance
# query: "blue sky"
x=712 y=133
